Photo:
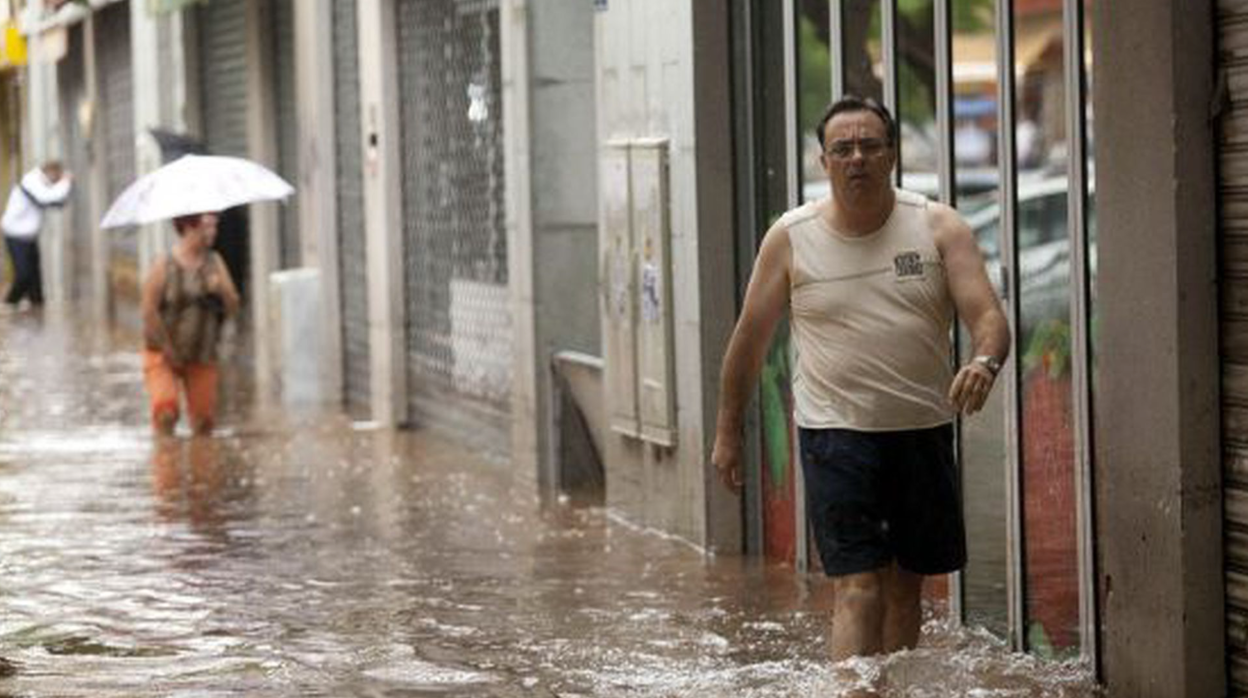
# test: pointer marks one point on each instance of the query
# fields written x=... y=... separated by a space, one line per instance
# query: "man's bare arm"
x=766 y=301
x=977 y=306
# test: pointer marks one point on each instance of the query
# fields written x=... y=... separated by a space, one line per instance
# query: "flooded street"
x=317 y=557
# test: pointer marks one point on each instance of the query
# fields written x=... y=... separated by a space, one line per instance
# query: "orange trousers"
x=197 y=381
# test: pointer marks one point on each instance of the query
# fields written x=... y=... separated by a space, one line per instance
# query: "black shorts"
x=878 y=497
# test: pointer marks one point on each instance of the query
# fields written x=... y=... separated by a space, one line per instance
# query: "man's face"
x=53 y=172
x=857 y=155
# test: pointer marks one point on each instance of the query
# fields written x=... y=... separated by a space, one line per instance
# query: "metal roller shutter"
x=71 y=81
x=353 y=276
x=223 y=75
x=222 y=72
x=287 y=125
x=1233 y=176
x=112 y=41
x=455 y=254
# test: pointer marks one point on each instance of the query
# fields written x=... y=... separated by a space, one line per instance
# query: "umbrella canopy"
x=174 y=145
x=194 y=184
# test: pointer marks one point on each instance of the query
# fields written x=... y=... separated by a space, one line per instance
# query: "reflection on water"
x=314 y=559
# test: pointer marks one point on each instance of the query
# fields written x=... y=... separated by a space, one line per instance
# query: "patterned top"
x=192 y=316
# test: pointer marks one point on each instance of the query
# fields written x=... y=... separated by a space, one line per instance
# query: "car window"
x=988 y=239
x=1041 y=220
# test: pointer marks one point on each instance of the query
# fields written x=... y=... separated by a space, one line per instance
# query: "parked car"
x=1043 y=250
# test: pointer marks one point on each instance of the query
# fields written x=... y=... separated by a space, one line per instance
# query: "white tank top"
x=872 y=317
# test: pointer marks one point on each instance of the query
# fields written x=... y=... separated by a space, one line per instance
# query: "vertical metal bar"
x=888 y=41
x=792 y=163
x=748 y=237
x=836 y=30
x=943 y=47
x=1007 y=167
x=1080 y=335
x=943 y=26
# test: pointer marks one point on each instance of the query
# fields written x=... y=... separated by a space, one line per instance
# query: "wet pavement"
x=317 y=557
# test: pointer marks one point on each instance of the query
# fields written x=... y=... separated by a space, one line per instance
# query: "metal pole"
x=1015 y=578
x=1080 y=316
x=947 y=187
x=888 y=40
x=836 y=30
x=792 y=163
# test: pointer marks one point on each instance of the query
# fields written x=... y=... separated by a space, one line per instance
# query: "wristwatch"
x=989 y=362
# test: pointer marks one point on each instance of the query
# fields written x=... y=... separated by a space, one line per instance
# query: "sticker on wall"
x=651 y=293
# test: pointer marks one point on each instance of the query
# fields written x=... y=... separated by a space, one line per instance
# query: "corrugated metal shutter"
x=1233 y=176
x=455 y=254
x=286 y=112
x=112 y=41
x=71 y=81
x=353 y=275
x=222 y=26
x=222 y=69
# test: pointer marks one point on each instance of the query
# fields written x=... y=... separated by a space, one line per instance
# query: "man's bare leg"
x=858 y=615
x=903 y=613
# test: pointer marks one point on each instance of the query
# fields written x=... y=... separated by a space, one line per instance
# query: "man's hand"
x=971 y=387
x=727 y=459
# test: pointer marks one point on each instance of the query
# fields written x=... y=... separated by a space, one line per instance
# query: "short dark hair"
x=180 y=223
x=852 y=103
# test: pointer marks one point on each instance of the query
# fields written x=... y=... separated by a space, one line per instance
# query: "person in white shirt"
x=38 y=189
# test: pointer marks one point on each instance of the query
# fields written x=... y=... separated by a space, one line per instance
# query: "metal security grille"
x=287 y=125
x=353 y=276
x=73 y=90
x=112 y=41
x=222 y=68
x=458 y=324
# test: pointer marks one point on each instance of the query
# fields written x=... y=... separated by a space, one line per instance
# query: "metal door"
x=72 y=85
x=455 y=256
x=286 y=128
x=222 y=73
x=353 y=277
x=116 y=135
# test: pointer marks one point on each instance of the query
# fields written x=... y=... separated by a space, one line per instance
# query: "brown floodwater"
x=308 y=555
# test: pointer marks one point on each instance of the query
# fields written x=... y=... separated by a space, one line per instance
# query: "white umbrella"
x=194 y=184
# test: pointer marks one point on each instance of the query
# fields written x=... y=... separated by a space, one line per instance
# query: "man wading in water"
x=871 y=277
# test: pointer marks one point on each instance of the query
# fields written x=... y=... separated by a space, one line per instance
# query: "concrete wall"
x=662 y=72
x=552 y=206
x=1158 y=477
x=318 y=209
x=383 y=209
x=154 y=82
x=264 y=232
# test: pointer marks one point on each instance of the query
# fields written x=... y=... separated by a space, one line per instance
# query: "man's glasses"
x=869 y=147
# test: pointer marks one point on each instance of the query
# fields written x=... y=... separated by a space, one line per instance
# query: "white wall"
x=650 y=74
x=383 y=209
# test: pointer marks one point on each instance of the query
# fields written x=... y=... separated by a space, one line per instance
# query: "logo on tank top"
x=908 y=265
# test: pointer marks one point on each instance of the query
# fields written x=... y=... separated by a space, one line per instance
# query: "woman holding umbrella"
x=187 y=295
